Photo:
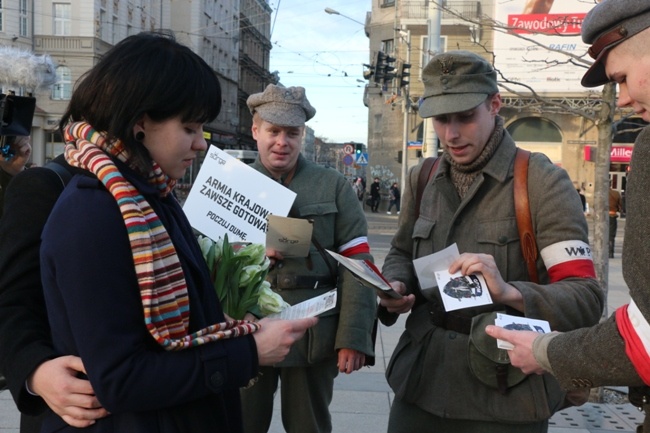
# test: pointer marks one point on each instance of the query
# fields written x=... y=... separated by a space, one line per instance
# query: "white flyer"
x=309 y=308
x=462 y=291
x=426 y=267
x=517 y=323
x=456 y=290
x=229 y=197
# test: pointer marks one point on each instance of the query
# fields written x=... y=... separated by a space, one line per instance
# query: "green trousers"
x=305 y=396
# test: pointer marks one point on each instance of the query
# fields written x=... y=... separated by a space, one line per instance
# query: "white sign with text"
x=229 y=197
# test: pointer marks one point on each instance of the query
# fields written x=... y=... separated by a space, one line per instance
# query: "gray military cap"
x=607 y=25
x=282 y=106
x=456 y=81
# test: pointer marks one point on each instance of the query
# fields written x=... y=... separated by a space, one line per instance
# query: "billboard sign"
x=556 y=27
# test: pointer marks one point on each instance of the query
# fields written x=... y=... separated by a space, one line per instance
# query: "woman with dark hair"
x=125 y=283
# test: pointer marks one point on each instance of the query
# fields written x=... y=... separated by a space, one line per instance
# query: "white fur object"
x=21 y=68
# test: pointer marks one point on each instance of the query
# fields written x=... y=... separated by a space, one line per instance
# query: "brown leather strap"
x=429 y=167
x=616 y=35
x=522 y=210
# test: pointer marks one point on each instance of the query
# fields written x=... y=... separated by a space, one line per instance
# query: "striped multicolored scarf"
x=163 y=289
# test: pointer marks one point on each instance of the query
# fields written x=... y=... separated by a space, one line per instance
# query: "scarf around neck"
x=163 y=289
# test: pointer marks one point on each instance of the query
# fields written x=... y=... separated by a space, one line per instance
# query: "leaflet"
x=367 y=274
x=519 y=324
x=309 y=308
x=457 y=291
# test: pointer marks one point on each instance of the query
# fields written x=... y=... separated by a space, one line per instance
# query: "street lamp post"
x=406 y=104
x=335 y=12
x=430 y=145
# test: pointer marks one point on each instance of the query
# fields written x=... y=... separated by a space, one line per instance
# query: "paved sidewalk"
x=362 y=400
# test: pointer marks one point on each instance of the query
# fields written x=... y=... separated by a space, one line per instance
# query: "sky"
x=324 y=54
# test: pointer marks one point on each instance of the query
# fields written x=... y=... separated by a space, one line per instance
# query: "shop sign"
x=617 y=154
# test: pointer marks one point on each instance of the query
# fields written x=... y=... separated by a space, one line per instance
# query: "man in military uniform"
x=342 y=340
x=469 y=201
x=616 y=351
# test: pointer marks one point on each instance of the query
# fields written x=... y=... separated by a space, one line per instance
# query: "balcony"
x=419 y=10
x=66 y=45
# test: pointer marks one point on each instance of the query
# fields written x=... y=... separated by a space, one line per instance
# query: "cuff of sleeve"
x=29 y=390
x=540 y=350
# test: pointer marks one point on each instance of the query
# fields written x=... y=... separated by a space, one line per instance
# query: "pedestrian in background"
x=359 y=189
x=140 y=310
x=375 y=195
x=395 y=198
x=614 y=352
x=342 y=341
x=615 y=208
x=440 y=384
x=583 y=200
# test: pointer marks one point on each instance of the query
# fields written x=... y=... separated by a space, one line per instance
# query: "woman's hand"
x=275 y=338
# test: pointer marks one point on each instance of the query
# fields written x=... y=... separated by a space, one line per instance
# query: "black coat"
x=25 y=334
x=24 y=330
x=95 y=312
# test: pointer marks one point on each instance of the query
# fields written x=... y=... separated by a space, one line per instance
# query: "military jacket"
x=324 y=196
x=484 y=221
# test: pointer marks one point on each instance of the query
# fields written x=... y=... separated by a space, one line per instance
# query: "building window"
x=101 y=27
x=62 y=88
x=23 y=30
x=387 y=3
x=61 y=14
x=54 y=145
x=426 y=54
x=534 y=129
x=388 y=46
x=114 y=36
x=2 y=27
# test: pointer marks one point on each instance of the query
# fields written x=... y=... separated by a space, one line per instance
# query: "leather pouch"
x=487 y=362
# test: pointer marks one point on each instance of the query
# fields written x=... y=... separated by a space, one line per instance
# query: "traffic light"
x=358 y=149
x=380 y=67
x=404 y=72
x=389 y=69
x=384 y=68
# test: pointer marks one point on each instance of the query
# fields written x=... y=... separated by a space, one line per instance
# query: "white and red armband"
x=568 y=259
x=355 y=246
x=635 y=330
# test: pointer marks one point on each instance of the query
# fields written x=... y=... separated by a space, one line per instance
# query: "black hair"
x=148 y=73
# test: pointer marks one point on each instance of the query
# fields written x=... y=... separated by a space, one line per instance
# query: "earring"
x=139 y=136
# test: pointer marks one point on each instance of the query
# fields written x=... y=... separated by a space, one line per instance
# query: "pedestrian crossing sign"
x=362 y=159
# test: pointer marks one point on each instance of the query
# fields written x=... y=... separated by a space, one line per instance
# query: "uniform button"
x=216 y=379
x=452 y=335
x=444 y=81
x=503 y=240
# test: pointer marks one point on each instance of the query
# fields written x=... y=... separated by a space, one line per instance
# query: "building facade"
x=233 y=36
x=254 y=59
